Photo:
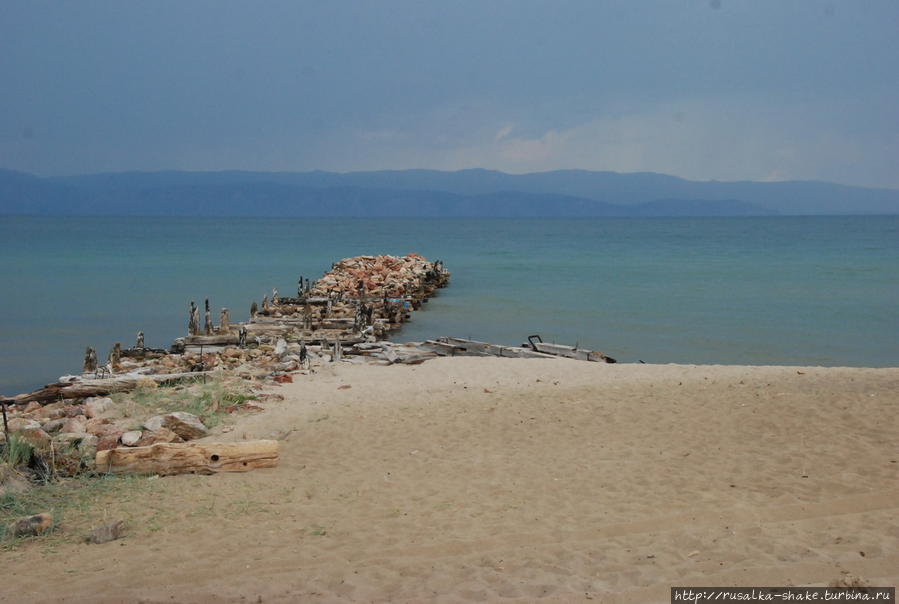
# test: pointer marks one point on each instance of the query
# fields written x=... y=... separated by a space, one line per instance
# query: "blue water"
x=781 y=290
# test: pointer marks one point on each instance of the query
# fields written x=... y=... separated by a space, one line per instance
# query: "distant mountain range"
x=425 y=193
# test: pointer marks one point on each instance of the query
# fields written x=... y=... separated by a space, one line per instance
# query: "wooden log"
x=101 y=387
x=189 y=458
x=217 y=340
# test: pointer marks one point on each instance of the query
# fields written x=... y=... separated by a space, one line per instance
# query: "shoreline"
x=485 y=479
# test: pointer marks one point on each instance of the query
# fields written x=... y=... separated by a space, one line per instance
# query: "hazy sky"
x=704 y=89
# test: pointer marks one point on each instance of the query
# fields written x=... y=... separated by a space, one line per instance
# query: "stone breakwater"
x=358 y=302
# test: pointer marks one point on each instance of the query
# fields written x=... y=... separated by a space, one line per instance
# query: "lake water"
x=779 y=290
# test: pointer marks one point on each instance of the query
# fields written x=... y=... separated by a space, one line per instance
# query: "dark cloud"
x=348 y=85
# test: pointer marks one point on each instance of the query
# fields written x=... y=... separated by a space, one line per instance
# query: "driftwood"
x=102 y=387
x=216 y=340
x=462 y=347
x=190 y=458
x=570 y=352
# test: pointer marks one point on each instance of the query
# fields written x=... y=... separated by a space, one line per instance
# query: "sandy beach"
x=491 y=479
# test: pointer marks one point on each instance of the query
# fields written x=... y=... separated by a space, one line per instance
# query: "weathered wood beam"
x=101 y=387
x=189 y=458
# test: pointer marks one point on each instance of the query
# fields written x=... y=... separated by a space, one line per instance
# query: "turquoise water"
x=781 y=290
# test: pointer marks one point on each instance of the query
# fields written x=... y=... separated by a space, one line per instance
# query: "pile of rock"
x=393 y=276
x=68 y=434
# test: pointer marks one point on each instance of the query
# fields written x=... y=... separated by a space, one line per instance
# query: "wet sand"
x=484 y=480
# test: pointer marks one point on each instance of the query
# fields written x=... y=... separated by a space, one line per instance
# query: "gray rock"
x=54 y=425
x=131 y=438
x=186 y=425
x=154 y=423
x=280 y=348
x=109 y=531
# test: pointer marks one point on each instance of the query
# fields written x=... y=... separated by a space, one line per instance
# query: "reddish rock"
x=73 y=425
x=98 y=426
x=97 y=407
x=32 y=407
x=74 y=411
x=185 y=425
x=36 y=437
x=17 y=424
x=283 y=379
x=110 y=441
x=30 y=526
x=162 y=435
x=51 y=411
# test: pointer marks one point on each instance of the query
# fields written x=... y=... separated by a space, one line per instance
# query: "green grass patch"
x=16 y=451
x=207 y=400
x=76 y=503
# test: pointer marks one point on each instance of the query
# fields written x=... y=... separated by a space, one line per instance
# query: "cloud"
x=721 y=139
x=504 y=132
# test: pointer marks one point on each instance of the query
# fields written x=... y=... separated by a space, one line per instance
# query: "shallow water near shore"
x=771 y=290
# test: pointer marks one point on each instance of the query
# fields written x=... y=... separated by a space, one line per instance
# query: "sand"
x=484 y=480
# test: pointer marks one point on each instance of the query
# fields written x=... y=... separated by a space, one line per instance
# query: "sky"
x=702 y=89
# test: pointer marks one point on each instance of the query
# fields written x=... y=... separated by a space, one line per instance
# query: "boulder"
x=154 y=423
x=109 y=441
x=75 y=411
x=87 y=446
x=17 y=424
x=186 y=425
x=281 y=348
x=54 y=425
x=30 y=526
x=32 y=407
x=51 y=411
x=162 y=435
x=36 y=437
x=98 y=407
x=73 y=424
x=131 y=438
x=109 y=531
x=100 y=426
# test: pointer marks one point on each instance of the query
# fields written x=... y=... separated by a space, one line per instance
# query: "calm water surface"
x=784 y=290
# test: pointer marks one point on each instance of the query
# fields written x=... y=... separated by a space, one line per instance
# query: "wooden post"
x=5 y=425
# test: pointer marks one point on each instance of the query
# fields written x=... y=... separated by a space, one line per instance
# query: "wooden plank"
x=189 y=458
x=462 y=347
x=571 y=352
x=219 y=340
